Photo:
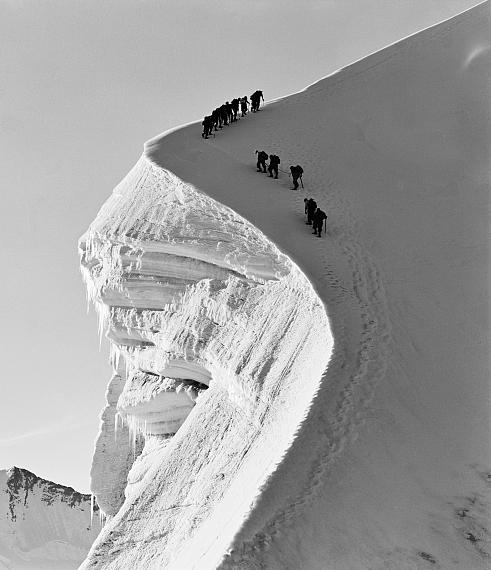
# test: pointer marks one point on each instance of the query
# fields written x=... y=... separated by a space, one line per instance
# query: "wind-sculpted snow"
x=244 y=438
x=216 y=335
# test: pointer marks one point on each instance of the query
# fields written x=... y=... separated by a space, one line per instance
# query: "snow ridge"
x=188 y=292
x=254 y=442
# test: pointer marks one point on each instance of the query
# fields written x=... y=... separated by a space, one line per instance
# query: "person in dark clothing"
x=235 y=108
x=318 y=221
x=244 y=105
x=262 y=157
x=215 y=117
x=256 y=100
x=274 y=161
x=253 y=102
x=224 y=114
x=218 y=117
x=311 y=207
x=297 y=172
x=207 y=126
x=259 y=97
x=305 y=203
x=230 y=113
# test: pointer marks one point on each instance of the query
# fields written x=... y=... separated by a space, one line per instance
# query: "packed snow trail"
x=388 y=465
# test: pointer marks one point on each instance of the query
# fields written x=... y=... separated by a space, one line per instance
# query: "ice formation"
x=280 y=401
x=206 y=317
x=44 y=526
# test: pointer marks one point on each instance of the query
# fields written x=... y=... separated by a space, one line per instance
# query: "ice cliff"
x=215 y=335
x=280 y=401
x=43 y=525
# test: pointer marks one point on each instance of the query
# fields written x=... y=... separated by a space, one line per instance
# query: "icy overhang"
x=194 y=299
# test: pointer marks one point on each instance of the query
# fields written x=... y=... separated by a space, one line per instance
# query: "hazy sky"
x=83 y=83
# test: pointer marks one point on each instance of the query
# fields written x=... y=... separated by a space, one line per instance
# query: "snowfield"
x=281 y=401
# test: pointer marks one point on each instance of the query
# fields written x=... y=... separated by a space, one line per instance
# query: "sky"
x=83 y=84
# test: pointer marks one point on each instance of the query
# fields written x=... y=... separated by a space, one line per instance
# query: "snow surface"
x=43 y=525
x=346 y=419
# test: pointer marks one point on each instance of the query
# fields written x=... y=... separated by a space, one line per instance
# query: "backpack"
x=299 y=169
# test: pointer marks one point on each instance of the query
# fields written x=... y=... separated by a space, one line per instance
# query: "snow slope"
x=369 y=452
x=43 y=525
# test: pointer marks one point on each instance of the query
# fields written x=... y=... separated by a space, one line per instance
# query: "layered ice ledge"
x=191 y=296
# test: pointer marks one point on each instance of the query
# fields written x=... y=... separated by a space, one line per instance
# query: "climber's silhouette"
x=256 y=100
x=274 y=161
x=207 y=126
x=297 y=172
x=262 y=157
x=318 y=220
x=311 y=207
x=244 y=105
x=235 y=108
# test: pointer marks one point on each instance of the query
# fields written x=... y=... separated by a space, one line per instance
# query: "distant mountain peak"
x=49 y=522
x=21 y=482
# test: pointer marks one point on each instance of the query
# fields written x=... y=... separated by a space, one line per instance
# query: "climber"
x=229 y=110
x=207 y=126
x=235 y=108
x=297 y=172
x=218 y=118
x=244 y=105
x=318 y=219
x=224 y=114
x=262 y=157
x=274 y=161
x=256 y=100
x=215 y=118
x=311 y=207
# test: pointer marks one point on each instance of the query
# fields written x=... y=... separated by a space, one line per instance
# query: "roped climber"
x=244 y=105
x=296 y=172
x=262 y=157
x=318 y=221
x=256 y=100
x=311 y=207
x=274 y=161
x=207 y=126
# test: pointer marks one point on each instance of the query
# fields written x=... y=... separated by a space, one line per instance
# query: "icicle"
x=114 y=355
x=136 y=427
x=91 y=509
x=103 y=317
x=116 y=425
x=100 y=322
x=132 y=432
x=87 y=299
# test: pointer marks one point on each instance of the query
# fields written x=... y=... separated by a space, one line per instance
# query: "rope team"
x=315 y=216
x=227 y=113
